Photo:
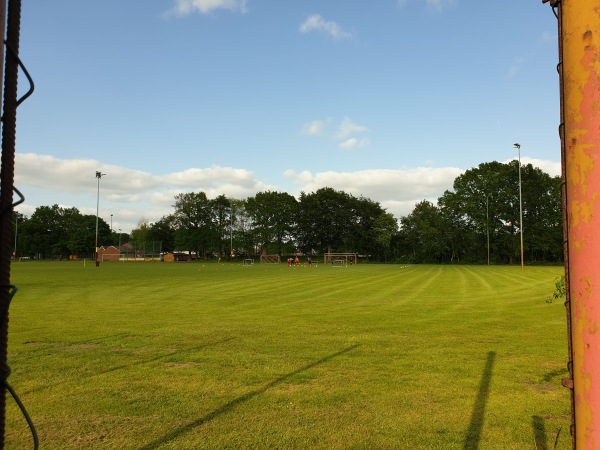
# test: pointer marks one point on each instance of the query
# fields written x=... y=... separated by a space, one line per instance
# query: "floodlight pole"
x=518 y=147
x=120 y=245
x=231 y=235
x=98 y=176
x=487 y=225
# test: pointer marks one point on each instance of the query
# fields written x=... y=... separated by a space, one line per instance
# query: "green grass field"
x=192 y=355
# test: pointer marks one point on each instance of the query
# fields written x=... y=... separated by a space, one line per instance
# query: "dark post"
x=7 y=171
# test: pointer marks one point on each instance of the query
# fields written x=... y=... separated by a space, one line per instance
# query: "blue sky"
x=389 y=99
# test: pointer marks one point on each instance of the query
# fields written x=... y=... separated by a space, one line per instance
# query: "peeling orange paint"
x=581 y=76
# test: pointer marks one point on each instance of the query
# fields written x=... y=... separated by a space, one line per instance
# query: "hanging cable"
x=566 y=382
x=4 y=376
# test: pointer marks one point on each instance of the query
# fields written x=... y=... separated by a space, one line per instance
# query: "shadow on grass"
x=159 y=357
x=139 y=362
x=477 y=417
x=539 y=433
x=238 y=401
x=42 y=346
x=555 y=373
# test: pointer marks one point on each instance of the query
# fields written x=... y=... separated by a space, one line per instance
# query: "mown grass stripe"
x=125 y=355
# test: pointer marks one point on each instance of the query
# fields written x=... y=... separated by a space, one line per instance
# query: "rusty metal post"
x=581 y=71
x=9 y=125
x=2 y=33
x=3 y=345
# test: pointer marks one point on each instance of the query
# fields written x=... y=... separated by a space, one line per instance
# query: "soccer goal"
x=346 y=258
x=270 y=259
x=338 y=263
x=248 y=262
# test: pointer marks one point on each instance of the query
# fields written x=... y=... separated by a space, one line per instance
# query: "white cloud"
x=314 y=128
x=353 y=143
x=318 y=23
x=550 y=167
x=46 y=180
x=347 y=128
x=301 y=178
x=186 y=7
x=398 y=190
x=349 y=144
x=74 y=174
x=210 y=177
x=130 y=194
x=344 y=133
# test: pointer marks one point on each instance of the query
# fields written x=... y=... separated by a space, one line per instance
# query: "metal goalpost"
x=347 y=258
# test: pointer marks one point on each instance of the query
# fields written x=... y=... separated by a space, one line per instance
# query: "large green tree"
x=57 y=232
x=369 y=227
x=481 y=203
x=385 y=226
x=162 y=231
x=484 y=203
x=273 y=216
x=194 y=221
x=335 y=221
x=221 y=206
x=542 y=215
x=241 y=236
x=82 y=236
x=424 y=236
x=324 y=220
x=141 y=234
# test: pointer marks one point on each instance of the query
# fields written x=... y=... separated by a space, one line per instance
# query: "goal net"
x=346 y=258
x=248 y=262
x=338 y=263
x=271 y=259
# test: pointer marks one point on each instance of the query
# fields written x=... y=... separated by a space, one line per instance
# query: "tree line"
x=479 y=216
